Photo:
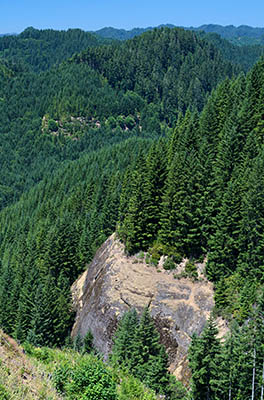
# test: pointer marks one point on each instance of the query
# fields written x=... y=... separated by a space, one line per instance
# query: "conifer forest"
x=160 y=138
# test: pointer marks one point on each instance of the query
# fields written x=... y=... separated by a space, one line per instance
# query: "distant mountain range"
x=7 y=34
x=122 y=34
x=240 y=35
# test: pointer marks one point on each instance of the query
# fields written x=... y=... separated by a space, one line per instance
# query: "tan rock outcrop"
x=114 y=282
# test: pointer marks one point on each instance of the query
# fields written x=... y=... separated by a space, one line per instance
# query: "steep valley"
x=160 y=139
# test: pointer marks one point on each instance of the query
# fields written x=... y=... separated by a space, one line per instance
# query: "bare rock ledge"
x=114 y=282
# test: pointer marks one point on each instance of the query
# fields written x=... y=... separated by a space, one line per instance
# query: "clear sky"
x=16 y=15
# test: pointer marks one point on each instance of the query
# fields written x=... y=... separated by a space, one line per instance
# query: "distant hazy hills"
x=241 y=35
x=122 y=34
x=238 y=35
x=7 y=34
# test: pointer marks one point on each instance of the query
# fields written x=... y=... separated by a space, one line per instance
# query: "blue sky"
x=16 y=15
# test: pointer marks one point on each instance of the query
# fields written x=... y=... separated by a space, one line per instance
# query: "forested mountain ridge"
x=241 y=35
x=51 y=101
x=40 y=49
x=203 y=195
x=122 y=34
x=171 y=68
x=194 y=196
x=242 y=45
x=129 y=136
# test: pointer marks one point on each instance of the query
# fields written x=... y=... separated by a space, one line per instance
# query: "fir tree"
x=203 y=357
x=123 y=347
x=137 y=347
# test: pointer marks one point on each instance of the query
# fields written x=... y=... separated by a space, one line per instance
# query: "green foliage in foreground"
x=4 y=393
x=130 y=389
x=90 y=380
x=137 y=347
x=86 y=377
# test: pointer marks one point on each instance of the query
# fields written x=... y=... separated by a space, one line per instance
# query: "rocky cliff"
x=114 y=282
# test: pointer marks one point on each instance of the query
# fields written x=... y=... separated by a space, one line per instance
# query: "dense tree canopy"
x=171 y=68
x=208 y=199
x=159 y=138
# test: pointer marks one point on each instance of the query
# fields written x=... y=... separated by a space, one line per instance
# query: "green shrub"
x=154 y=261
x=156 y=250
x=61 y=376
x=44 y=355
x=88 y=342
x=3 y=393
x=201 y=258
x=68 y=342
x=191 y=270
x=169 y=264
x=176 y=389
x=131 y=389
x=121 y=122
x=141 y=255
x=170 y=251
x=29 y=348
x=147 y=259
x=78 y=343
x=40 y=353
x=177 y=258
x=130 y=122
x=52 y=125
x=90 y=380
x=111 y=122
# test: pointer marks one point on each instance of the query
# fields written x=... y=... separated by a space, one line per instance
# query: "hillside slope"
x=242 y=45
x=20 y=377
x=171 y=68
x=39 y=50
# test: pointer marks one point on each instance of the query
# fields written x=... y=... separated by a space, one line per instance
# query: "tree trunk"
x=253 y=374
x=262 y=382
x=230 y=391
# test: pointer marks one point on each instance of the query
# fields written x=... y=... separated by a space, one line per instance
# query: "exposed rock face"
x=114 y=282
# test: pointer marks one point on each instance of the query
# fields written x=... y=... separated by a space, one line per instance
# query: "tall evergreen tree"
x=124 y=340
x=251 y=237
x=137 y=347
x=182 y=206
x=203 y=357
